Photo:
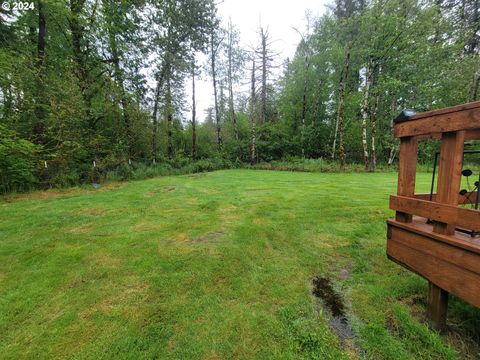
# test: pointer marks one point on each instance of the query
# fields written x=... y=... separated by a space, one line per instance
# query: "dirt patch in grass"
x=208 y=237
x=323 y=289
x=102 y=259
x=165 y=189
x=336 y=312
x=417 y=304
x=81 y=229
x=147 y=226
x=196 y=176
x=454 y=335
x=91 y=211
x=465 y=345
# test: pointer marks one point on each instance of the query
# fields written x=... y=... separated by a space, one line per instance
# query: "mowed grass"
x=214 y=266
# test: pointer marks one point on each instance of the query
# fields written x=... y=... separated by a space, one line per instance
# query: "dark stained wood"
x=462 y=199
x=437 y=303
x=456 y=270
x=448 y=259
x=454 y=215
x=449 y=174
x=472 y=134
x=419 y=226
x=447 y=110
x=467 y=119
x=407 y=168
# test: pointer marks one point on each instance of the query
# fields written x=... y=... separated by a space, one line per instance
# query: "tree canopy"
x=105 y=81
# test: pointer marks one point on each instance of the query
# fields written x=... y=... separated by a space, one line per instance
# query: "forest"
x=96 y=89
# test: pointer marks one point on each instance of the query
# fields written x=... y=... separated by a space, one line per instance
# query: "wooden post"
x=449 y=174
x=407 y=169
x=437 y=304
x=449 y=179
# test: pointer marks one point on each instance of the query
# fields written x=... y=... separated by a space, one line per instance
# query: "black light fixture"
x=404 y=116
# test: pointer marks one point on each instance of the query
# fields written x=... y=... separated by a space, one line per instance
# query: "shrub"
x=17 y=162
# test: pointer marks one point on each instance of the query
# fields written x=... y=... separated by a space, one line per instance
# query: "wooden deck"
x=446 y=257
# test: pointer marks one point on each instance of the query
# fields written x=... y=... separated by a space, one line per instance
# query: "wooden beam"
x=468 y=119
x=462 y=199
x=407 y=171
x=443 y=111
x=449 y=174
x=448 y=214
x=459 y=240
x=472 y=134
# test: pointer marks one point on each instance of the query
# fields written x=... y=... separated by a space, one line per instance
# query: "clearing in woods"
x=230 y=264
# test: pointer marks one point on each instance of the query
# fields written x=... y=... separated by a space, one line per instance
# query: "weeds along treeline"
x=105 y=81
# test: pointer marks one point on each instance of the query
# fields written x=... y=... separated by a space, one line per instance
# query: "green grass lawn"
x=214 y=266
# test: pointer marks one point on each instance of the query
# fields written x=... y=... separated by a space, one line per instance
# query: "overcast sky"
x=278 y=15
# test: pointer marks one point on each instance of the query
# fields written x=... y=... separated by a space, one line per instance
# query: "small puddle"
x=333 y=303
x=323 y=289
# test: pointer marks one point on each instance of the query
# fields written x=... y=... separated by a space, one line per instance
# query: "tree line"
x=106 y=80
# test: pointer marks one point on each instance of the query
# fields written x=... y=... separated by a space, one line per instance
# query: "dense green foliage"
x=104 y=81
x=214 y=266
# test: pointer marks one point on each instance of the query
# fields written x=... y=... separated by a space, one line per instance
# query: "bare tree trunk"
x=263 y=112
x=39 y=123
x=230 y=90
x=304 y=101
x=392 y=155
x=474 y=86
x=341 y=107
x=365 y=112
x=393 y=148
x=335 y=135
x=118 y=75
x=194 y=113
x=222 y=102
x=82 y=70
x=214 y=80
x=169 y=113
x=155 y=113
x=252 y=115
x=373 y=119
